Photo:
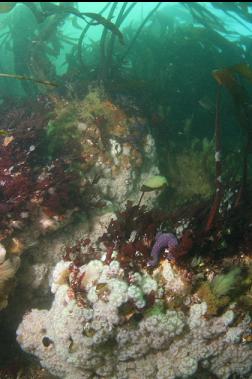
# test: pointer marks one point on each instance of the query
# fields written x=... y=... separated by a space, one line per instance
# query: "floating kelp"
x=234 y=9
x=227 y=78
x=98 y=18
x=22 y=77
x=106 y=23
x=243 y=69
x=204 y=16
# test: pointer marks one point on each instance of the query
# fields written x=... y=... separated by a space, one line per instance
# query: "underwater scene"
x=125 y=190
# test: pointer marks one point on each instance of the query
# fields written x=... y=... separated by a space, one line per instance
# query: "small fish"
x=22 y=77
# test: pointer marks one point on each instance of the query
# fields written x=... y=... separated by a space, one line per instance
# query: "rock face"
x=113 y=148
x=112 y=316
x=117 y=148
x=103 y=337
x=8 y=269
x=114 y=153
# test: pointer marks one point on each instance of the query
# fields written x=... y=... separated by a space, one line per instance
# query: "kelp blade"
x=22 y=77
x=106 y=23
x=243 y=69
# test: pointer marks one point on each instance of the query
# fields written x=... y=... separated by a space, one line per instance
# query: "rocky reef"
x=100 y=277
x=90 y=343
x=108 y=284
x=111 y=319
x=116 y=316
x=77 y=158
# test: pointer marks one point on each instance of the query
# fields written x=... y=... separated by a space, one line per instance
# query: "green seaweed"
x=59 y=138
x=154 y=183
x=222 y=284
x=155 y=310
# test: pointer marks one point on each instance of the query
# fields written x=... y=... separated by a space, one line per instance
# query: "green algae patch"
x=155 y=310
x=217 y=294
x=156 y=182
x=223 y=284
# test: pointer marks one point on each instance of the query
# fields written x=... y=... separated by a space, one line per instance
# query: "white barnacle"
x=2 y=253
x=116 y=148
x=217 y=156
x=133 y=236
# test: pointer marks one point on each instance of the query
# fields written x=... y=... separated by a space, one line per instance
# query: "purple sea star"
x=163 y=240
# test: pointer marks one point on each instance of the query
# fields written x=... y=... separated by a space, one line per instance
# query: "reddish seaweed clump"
x=29 y=178
x=80 y=253
x=132 y=235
